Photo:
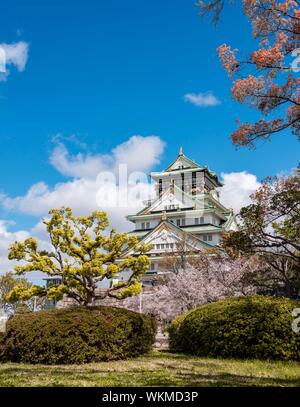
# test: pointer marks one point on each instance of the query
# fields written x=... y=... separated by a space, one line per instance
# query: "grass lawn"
x=155 y=369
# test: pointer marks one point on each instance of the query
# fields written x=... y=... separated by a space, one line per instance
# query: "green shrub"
x=245 y=328
x=77 y=335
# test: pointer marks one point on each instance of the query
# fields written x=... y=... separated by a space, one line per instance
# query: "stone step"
x=161 y=341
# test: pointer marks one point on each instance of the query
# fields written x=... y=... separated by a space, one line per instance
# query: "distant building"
x=3 y=320
x=50 y=282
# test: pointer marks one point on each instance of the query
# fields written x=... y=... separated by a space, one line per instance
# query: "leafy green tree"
x=82 y=256
x=270 y=229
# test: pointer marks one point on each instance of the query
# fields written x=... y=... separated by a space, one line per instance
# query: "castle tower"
x=186 y=207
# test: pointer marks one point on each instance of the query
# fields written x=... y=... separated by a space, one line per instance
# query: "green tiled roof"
x=139 y=233
x=193 y=163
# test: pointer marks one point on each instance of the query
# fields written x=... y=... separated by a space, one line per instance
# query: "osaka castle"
x=186 y=209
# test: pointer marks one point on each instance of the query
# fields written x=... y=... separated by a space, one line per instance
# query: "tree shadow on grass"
x=69 y=377
x=235 y=380
x=156 y=369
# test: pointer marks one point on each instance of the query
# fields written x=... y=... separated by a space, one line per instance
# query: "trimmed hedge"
x=254 y=327
x=77 y=335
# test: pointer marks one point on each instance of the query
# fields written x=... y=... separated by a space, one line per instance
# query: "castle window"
x=202 y=220
x=158 y=246
x=205 y=238
x=160 y=187
x=183 y=222
x=209 y=238
x=178 y=222
x=171 y=207
x=194 y=183
x=143 y=225
x=148 y=225
x=196 y=221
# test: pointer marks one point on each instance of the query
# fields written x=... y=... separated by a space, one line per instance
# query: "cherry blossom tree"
x=203 y=280
x=267 y=79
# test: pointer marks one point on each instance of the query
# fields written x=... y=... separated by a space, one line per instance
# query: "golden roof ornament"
x=180 y=152
x=164 y=216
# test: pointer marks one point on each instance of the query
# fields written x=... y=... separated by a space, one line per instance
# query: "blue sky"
x=99 y=72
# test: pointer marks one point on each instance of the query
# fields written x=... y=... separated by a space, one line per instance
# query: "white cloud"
x=79 y=165
x=6 y=239
x=238 y=186
x=202 y=99
x=13 y=54
x=138 y=153
x=82 y=193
